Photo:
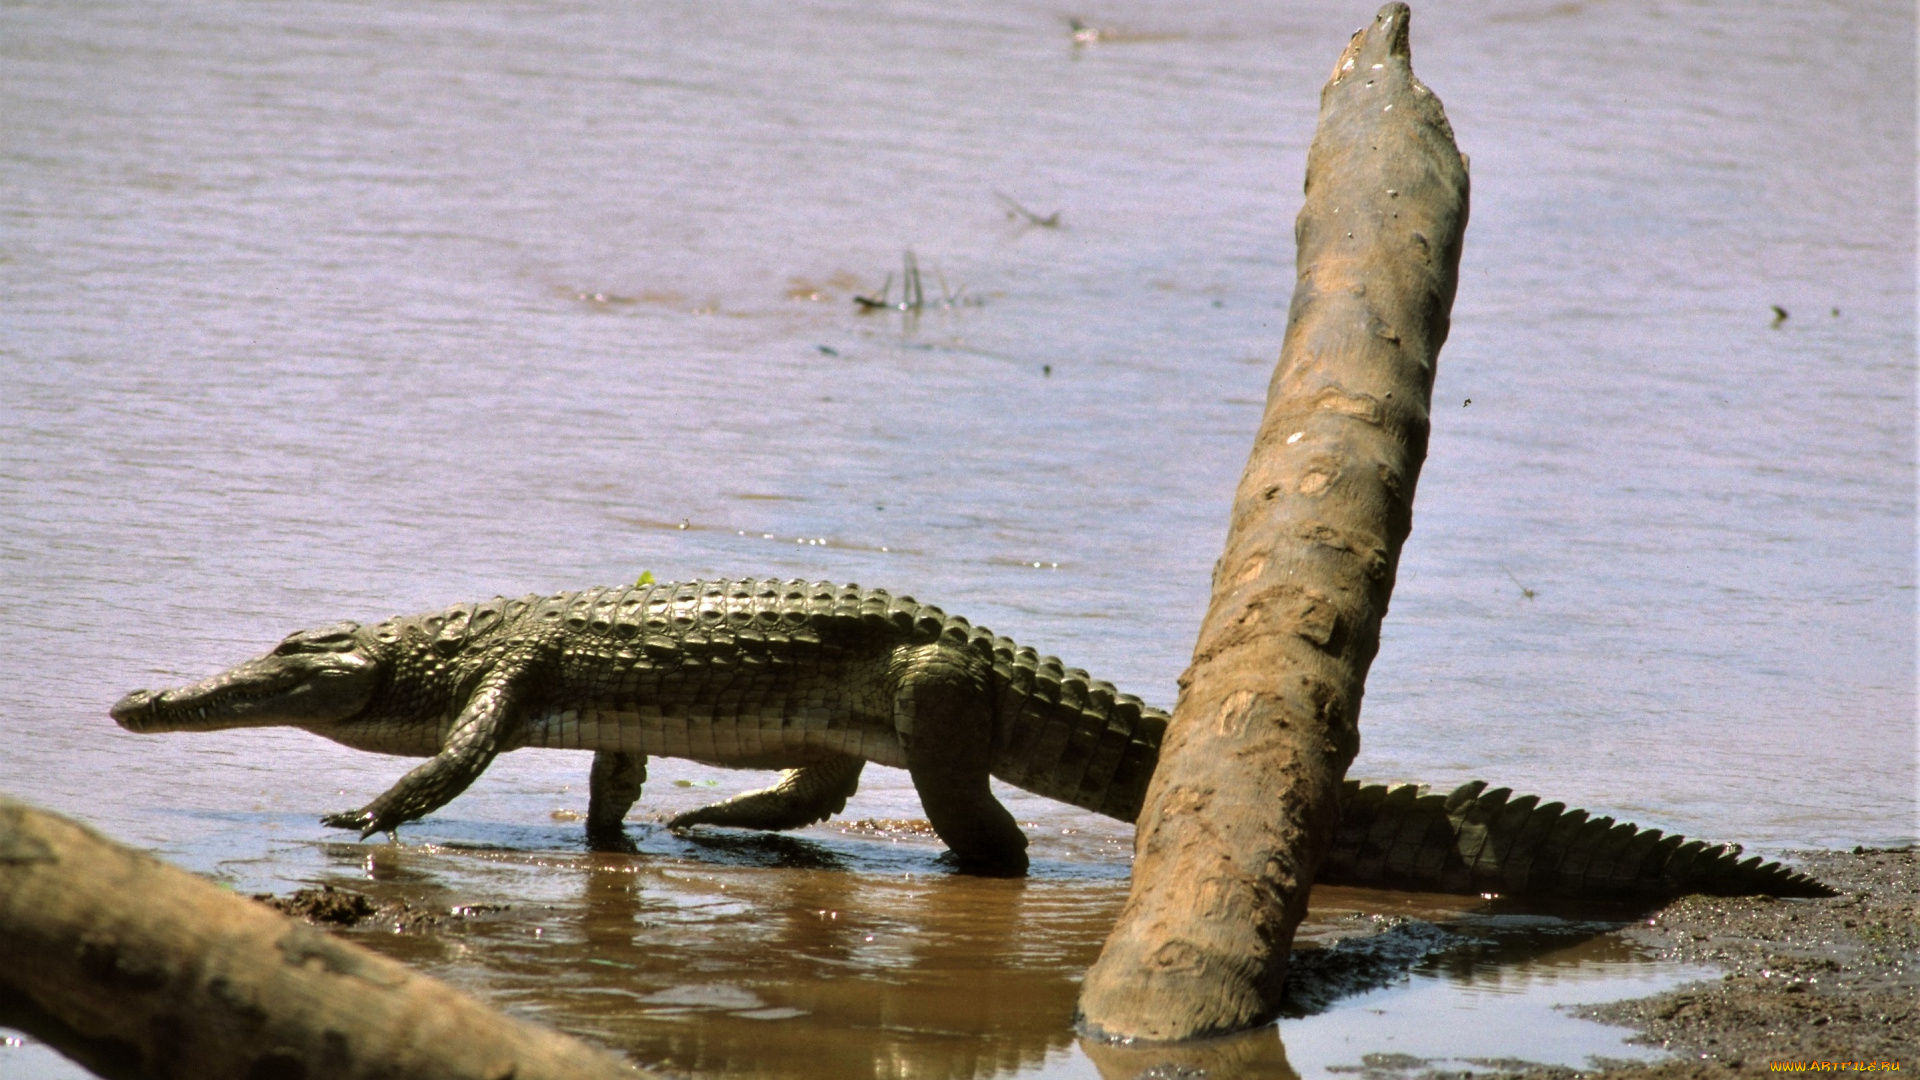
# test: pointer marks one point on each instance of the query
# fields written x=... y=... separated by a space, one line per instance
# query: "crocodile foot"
x=1008 y=865
x=801 y=797
x=366 y=821
x=610 y=838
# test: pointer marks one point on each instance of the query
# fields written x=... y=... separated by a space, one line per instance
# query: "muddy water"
x=339 y=310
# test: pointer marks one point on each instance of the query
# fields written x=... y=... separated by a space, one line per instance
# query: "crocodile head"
x=313 y=679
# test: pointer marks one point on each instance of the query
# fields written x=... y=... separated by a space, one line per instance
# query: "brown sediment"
x=326 y=905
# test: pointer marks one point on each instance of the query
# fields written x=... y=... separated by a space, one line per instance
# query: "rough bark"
x=1245 y=800
x=136 y=969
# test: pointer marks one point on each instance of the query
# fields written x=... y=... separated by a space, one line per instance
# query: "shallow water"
x=325 y=310
x=845 y=951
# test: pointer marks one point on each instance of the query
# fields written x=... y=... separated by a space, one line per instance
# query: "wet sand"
x=1830 y=980
x=1833 y=980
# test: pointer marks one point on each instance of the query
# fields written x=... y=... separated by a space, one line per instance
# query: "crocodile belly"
x=763 y=739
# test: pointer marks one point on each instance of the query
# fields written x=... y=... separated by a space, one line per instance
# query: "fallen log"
x=1245 y=801
x=136 y=969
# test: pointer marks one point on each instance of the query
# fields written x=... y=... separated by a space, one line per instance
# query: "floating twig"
x=1015 y=211
x=913 y=291
x=1524 y=591
x=911 y=296
x=868 y=303
x=949 y=298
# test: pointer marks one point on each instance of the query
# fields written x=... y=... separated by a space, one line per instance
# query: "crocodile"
x=818 y=679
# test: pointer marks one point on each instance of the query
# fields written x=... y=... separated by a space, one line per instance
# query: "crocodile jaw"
x=313 y=680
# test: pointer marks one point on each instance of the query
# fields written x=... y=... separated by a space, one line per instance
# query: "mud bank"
x=1807 y=980
x=327 y=906
x=1830 y=980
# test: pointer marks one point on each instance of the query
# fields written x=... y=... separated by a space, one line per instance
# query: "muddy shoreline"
x=1835 y=979
x=1827 y=980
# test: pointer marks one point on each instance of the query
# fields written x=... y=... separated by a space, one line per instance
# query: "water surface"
x=336 y=310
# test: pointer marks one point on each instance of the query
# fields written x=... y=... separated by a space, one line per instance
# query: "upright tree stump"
x=1245 y=800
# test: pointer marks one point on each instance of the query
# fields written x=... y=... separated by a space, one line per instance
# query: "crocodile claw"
x=366 y=821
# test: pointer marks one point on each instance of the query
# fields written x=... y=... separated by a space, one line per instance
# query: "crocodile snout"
x=131 y=712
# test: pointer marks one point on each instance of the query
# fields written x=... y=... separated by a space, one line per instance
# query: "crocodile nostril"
x=129 y=709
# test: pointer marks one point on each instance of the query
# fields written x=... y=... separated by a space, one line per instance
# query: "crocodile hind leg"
x=800 y=797
x=944 y=713
x=614 y=786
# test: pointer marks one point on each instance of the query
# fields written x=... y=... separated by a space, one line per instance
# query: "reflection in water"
x=1255 y=1055
x=770 y=959
x=793 y=957
x=1454 y=1020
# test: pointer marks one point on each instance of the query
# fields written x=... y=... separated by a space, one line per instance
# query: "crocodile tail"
x=1476 y=840
x=1067 y=736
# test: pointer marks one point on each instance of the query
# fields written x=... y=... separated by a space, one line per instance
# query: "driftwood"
x=136 y=969
x=1244 y=803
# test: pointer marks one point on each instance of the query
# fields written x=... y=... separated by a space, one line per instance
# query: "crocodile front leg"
x=944 y=712
x=614 y=786
x=469 y=749
x=800 y=797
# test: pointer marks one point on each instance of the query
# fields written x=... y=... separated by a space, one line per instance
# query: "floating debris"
x=869 y=303
x=913 y=296
x=1016 y=212
x=604 y=298
x=1084 y=35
